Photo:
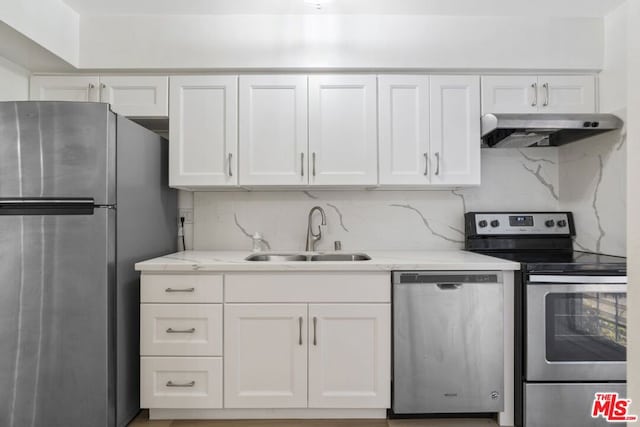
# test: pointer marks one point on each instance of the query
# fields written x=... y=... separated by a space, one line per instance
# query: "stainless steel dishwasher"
x=448 y=346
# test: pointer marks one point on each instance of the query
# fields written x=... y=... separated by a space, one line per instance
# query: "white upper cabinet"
x=65 y=88
x=567 y=94
x=265 y=359
x=539 y=94
x=273 y=130
x=349 y=357
x=136 y=96
x=403 y=123
x=455 y=130
x=203 y=128
x=509 y=94
x=342 y=130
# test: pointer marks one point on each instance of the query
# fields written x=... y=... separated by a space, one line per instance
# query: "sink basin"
x=277 y=257
x=340 y=257
x=308 y=257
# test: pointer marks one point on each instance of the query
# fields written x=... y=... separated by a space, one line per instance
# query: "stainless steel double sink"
x=287 y=257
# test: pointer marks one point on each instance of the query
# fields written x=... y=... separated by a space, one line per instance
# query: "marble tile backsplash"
x=525 y=179
x=593 y=182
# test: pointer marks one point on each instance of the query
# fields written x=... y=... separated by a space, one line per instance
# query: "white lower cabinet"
x=348 y=349
x=181 y=382
x=265 y=356
x=349 y=355
x=282 y=341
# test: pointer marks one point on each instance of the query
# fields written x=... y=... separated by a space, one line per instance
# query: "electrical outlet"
x=187 y=213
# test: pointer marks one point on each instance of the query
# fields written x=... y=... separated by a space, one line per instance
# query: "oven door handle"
x=542 y=278
x=541 y=290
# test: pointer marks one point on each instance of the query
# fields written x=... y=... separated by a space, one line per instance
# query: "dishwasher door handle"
x=449 y=286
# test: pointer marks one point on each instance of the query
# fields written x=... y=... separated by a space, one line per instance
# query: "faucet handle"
x=337 y=245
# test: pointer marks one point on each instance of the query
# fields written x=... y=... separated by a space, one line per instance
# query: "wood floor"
x=143 y=421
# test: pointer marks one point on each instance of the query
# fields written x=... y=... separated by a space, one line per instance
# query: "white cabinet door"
x=65 y=88
x=273 y=130
x=136 y=96
x=265 y=356
x=343 y=130
x=455 y=130
x=403 y=123
x=567 y=94
x=510 y=94
x=203 y=136
x=349 y=355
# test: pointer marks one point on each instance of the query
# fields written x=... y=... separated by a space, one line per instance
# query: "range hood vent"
x=543 y=130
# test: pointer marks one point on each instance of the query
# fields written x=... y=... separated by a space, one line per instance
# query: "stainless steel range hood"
x=541 y=130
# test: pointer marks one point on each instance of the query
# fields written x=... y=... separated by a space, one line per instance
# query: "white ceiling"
x=578 y=8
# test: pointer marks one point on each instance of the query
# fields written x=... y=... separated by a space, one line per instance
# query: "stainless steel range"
x=570 y=315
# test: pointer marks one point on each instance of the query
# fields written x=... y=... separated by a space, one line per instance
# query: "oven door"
x=576 y=331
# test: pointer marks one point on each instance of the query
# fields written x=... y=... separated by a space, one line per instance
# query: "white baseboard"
x=235 y=414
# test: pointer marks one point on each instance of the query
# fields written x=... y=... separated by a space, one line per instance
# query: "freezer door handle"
x=46 y=206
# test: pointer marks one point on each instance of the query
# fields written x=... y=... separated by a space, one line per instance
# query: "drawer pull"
x=181 y=331
x=169 y=290
x=172 y=384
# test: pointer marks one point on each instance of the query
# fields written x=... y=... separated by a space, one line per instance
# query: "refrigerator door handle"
x=46 y=206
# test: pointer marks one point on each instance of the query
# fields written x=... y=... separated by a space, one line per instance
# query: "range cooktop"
x=541 y=241
x=565 y=262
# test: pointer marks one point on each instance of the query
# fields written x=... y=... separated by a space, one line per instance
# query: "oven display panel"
x=521 y=221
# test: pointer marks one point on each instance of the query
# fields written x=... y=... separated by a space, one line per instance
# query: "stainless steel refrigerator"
x=83 y=196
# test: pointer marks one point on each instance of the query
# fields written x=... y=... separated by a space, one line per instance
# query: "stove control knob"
x=495 y=223
x=482 y=223
x=562 y=223
x=550 y=223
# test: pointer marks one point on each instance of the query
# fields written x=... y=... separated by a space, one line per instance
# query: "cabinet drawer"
x=181 y=382
x=181 y=329
x=308 y=287
x=181 y=288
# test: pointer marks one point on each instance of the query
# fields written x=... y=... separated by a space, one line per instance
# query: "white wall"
x=14 y=81
x=633 y=151
x=593 y=173
x=50 y=23
x=368 y=220
x=340 y=41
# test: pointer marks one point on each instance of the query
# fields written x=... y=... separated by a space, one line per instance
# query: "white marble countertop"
x=380 y=261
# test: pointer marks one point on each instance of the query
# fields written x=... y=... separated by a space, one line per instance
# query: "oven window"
x=586 y=326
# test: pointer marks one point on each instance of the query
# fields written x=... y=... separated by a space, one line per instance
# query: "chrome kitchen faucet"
x=313 y=239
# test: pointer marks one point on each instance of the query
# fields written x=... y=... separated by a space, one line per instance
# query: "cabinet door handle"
x=300 y=330
x=172 y=384
x=181 y=331
x=426 y=164
x=169 y=290
x=313 y=161
x=230 y=158
x=534 y=86
x=546 y=94
x=437 y=163
x=301 y=164
x=91 y=86
x=449 y=286
x=315 y=321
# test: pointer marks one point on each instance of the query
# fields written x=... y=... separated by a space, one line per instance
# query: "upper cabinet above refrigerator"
x=132 y=96
x=538 y=94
